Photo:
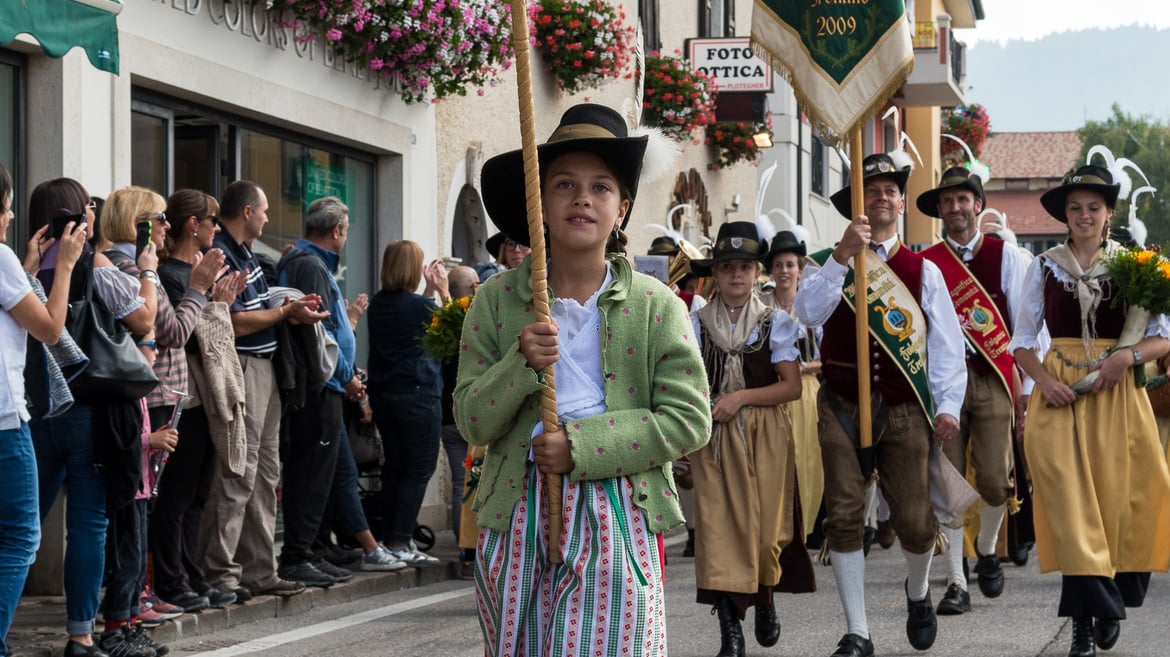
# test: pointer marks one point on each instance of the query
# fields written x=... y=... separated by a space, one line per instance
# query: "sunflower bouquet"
x=442 y=335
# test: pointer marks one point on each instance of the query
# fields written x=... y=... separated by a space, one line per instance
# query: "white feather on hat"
x=1137 y=227
x=999 y=227
x=973 y=164
x=1117 y=167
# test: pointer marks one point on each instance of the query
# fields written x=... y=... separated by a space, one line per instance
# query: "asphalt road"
x=440 y=620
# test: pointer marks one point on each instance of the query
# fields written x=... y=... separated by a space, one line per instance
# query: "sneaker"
x=307 y=574
x=122 y=642
x=380 y=560
x=190 y=601
x=75 y=649
x=338 y=573
x=164 y=609
x=142 y=639
x=148 y=618
x=145 y=607
x=281 y=587
x=221 y=599
x=413 y=557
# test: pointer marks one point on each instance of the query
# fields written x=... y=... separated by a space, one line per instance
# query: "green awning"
x=61 y=25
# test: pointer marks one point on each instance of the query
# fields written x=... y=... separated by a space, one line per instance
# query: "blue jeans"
x=65 y=455
x=20 y=528
x=409 y=425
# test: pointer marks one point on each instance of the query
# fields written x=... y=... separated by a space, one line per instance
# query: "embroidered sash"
x=980 y=318
x=896 y=321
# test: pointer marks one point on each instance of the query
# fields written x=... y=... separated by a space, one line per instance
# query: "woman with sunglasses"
x=126 y=212
x=174 y=520
x=72 y=445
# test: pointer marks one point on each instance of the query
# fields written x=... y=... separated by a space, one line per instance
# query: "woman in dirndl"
x=745 y=480
x=1100 y=480
x=785 y=263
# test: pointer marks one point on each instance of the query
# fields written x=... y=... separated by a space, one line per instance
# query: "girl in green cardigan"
x=631 y=397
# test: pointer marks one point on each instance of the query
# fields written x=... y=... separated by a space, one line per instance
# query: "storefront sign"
x=731 y=62
x=251 y=19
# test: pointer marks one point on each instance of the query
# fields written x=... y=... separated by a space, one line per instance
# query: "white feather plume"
x=973 y=165
x=1137 y=227
x=903 y=142
x=661 y=153
x=765 y=229
x=790 y=224
x=901 y=159
x=632 y=107
x=765 y=182
x=999 y=226
x=1117 y=167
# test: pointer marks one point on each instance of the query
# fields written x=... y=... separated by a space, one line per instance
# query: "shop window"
x=648 y=13
x=716 y=18
x=819 y=167
x=11 y=151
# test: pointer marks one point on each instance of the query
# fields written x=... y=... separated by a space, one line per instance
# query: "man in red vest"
x=918 y=382
x=984 y=277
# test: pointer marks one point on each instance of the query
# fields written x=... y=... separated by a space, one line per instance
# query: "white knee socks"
x=849 y=569
x=990 y=519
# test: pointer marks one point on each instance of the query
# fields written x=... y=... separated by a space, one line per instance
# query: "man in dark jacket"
x=312 y=430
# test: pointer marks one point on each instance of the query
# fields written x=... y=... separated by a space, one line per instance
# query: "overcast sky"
x=1029 y=20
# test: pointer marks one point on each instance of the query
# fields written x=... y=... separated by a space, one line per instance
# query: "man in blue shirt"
x=313 y=432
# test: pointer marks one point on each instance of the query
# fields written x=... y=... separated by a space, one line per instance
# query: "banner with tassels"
x=844 y=58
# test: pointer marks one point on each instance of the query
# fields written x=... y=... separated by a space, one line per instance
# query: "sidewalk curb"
x=39 y=638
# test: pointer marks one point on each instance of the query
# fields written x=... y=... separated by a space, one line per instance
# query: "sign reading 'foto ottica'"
x=732 y=64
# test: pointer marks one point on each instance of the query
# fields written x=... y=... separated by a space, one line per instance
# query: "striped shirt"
x=172 y=328
x=254 y=297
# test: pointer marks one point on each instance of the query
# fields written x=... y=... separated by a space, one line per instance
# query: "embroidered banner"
x=980 y=318
x=896 y=321
x=844 y=58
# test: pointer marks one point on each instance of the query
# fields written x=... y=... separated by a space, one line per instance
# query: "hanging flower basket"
x=736 y=142
x=678 y=99
x=583 y=42
x=428 y=49
x=969 y=123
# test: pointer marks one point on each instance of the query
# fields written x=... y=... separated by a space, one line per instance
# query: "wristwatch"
x=1137 y=355
x=151 y=276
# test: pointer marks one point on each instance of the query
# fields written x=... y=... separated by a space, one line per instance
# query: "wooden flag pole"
x=860 y=287
x=548 y=396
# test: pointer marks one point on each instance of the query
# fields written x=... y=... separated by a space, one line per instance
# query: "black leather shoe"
x=990 y=576
x=767 y=626
x=921 y=623
x=852 y=645
x=1106 y=632
x=730 y=630
x=75 y=649
x=954 y=602
x=1082 y=638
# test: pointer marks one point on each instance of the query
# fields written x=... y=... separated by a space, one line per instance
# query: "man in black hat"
x=984 y=277
x=917 y=365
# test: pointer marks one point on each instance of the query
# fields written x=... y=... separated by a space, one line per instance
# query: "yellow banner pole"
x=860 y=287
x=548 y=397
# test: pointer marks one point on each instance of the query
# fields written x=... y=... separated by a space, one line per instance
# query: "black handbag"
x=117 y=370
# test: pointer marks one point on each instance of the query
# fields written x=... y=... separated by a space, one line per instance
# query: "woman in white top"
x=22 y=314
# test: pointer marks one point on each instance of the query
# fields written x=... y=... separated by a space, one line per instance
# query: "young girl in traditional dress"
x=1099 y=479
x=631 y=397
x=745 y=480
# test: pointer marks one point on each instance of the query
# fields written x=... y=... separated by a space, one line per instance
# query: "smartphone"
x=57 y=224
x=141 y=236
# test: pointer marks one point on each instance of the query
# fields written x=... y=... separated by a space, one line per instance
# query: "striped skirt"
x=605 y=600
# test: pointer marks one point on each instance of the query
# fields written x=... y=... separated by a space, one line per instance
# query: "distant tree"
x=1146 y=141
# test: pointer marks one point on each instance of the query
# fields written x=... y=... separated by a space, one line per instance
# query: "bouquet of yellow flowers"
x=1143 y=278
x=441 y=339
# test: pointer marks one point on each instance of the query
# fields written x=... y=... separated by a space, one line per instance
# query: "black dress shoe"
x=190 y=601
x=75 y=649
x=1082 y=638
x=954 y=602
x=242 y=595
x=921 y=623
x=1106 y=632
x=990 y=575
x=852 y=645
x=767 y=626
